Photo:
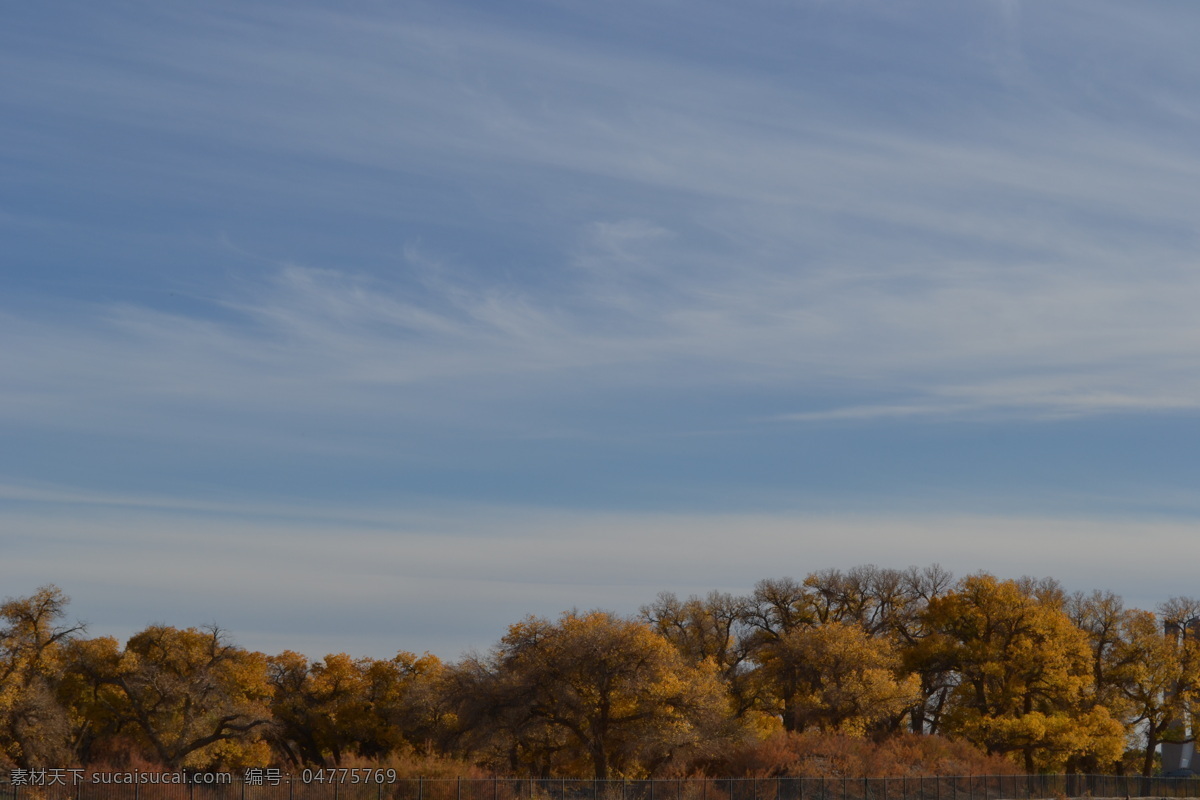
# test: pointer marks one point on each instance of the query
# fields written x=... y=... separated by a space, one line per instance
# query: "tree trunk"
x=1148 y=759
x=600 y=762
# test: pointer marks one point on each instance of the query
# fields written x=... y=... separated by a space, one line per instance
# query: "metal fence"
x=145 y=786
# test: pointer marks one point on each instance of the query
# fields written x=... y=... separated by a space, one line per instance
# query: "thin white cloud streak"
x=317 y=342
x=452 y=579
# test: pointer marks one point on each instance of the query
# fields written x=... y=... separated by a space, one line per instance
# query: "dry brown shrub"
x=817 y=755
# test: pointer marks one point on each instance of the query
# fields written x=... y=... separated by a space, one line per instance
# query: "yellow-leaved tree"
x=1158 y=673
x=607 y=694
x=340 y=706
x=848 y=681
x=713 y=629
x=1025 y=680
x=34 y=727
x=188 y=696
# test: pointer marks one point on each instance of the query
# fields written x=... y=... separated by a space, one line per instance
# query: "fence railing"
x=275 y=785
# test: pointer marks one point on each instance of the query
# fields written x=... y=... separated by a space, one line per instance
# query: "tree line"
x=788 y=680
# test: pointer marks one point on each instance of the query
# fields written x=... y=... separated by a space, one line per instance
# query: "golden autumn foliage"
x=190 y=697
x=848 y=682
x=1025 y=676
x=709 y=629
x=1158 y=676
x=868 y=672
x=34 y=727
x=342 y=708
x=608 y=695
x=94 y=703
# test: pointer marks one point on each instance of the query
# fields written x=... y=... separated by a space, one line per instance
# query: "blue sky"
x=369 y=326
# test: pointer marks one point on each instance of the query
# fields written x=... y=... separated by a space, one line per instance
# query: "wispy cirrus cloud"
x=636 y=313
x=859 y=244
